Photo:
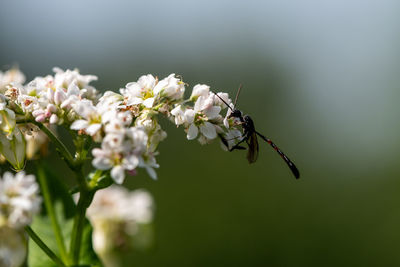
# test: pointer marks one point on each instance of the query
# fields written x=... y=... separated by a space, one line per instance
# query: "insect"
x=250 y=137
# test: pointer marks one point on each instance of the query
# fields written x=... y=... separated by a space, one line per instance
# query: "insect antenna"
x=237 y=95
x=224 y=102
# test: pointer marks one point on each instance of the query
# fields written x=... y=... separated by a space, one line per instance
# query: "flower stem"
x=79 y=224
x=43 y=246
x=85 y=198
x=51 y=212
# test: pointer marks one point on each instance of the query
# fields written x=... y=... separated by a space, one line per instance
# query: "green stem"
x=51 y=212
x=79 y=219
x=43 y=246
x=79 y=224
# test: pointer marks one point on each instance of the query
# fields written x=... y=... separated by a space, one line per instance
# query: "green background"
x=321 y=79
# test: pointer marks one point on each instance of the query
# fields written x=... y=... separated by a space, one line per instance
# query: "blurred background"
x=320 y=78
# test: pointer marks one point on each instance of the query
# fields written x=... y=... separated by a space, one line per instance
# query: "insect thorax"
x=248 y=123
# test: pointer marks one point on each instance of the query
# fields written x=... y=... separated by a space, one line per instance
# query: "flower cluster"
x=19 y=200
x=124 y=125
x=121 y=220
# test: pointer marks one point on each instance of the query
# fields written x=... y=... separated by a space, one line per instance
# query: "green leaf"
x=88 y=256
x=36 y=257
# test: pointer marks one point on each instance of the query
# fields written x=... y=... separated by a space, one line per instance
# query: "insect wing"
x=252 y=153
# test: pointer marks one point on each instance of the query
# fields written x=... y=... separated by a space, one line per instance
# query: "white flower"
x=198 y=118
x=113 y=99
x=206 y=128
x=200 y=90
x=171 y=87
x=149 y=163
x=179 y=115
x=146 y=120
x=91 y=122
x=120 y=152
x=219 y=102
x=64 y=79
x=117 y=203
x=141 y=92
x=19 y=199
x=13 y=246
x=65 y=98
x=116 y=215
x=13 y=75
x=105 y=159
x=207 y=107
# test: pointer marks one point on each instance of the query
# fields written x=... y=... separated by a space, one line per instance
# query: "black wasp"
x=250 y=137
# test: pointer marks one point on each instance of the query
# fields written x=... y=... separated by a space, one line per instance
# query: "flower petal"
x=134 y=101
x=148 y=103
x=160 y=86
x=200 y=90
x=102 y=163
x=212 y=112
x=199 y=103
x=189 y=115
x=152 y=173
x=208 y=130
x=192 y=132
x=131 y=162
x=79 y=124
x=118 y=174
x=93 y=128
x=177 y=110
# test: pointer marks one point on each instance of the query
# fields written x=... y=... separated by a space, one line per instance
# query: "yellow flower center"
x=147 y=93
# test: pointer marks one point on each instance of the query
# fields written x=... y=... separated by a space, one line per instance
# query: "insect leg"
x=225 y=142
x=237 y=145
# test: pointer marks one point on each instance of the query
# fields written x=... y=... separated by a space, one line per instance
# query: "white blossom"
x=120 y=153
x=141 y=92
x=198 y=119
x=19 y=199
x=64 y=79
x=116 y=215
x=219 y=102
x=149 y=163
x=13 y=75
x=91 y=117
x=200 y=90
x=117 y=203
x=13 y=246
x=171 y=87
x=124 y=125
